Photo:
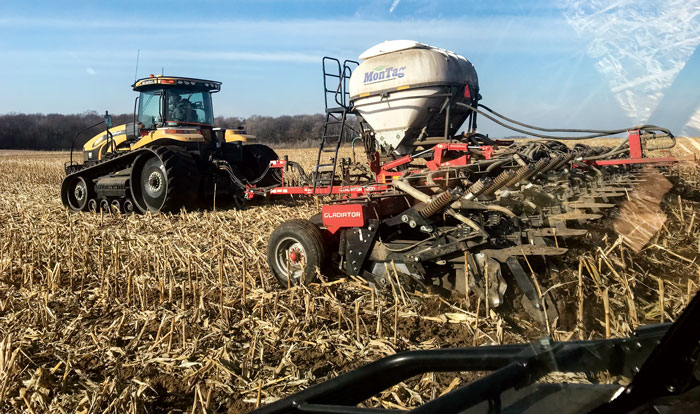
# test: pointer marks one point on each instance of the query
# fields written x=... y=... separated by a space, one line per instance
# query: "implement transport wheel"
x=166 y=181
x=296 y=252
x=75 y=193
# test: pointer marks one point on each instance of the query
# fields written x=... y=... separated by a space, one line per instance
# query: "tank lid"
x=391 y=46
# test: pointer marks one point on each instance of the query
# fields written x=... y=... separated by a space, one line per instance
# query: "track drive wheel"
x=295 y=252
x=166 y=181
x=75 y=193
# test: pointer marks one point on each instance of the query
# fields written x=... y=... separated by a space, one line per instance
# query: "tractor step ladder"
x=335 y=93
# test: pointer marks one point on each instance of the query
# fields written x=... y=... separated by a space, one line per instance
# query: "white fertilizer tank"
x=402 y=88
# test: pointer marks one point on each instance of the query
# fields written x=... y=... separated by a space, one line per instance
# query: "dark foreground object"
x=661 y=359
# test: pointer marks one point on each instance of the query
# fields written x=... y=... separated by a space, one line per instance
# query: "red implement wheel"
x=296 y=252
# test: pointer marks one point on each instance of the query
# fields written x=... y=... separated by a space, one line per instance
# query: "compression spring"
x=519 y=175
x=566 y=159
x=539 y=165
x=478 y=187
x=436 y=204
x=553 y=162
x=498 y=182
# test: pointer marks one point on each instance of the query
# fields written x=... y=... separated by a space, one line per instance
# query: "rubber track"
x=181 y=170
x=106 y=167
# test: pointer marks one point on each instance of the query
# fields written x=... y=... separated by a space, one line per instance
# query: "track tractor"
x=170 y=157
x=435 y=208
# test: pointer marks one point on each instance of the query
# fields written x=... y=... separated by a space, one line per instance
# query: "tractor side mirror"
x=108 y=120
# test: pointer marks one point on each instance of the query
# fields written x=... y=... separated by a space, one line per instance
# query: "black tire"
x=165 y=181
x=256 y=159
x=153 y=182
x=303 y=239
x=75 y=193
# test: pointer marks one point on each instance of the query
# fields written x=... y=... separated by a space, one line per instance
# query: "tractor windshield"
x=188 y=107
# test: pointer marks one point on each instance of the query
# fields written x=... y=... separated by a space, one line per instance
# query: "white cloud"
x=306 y=40
x=692 y=129
x=172 y=55
x=393 y=5
x=272 y=56
x=90 y=71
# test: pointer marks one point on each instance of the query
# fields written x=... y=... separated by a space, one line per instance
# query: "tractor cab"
x=173 y=101
x=169 y=108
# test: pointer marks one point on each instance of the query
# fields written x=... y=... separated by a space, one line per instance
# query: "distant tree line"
x=50 y=131
x=57 y=131
x=281 y=131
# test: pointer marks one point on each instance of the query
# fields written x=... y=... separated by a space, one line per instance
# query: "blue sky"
x=561 y=63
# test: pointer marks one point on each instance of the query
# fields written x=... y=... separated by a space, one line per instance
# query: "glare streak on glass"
x=639 y=46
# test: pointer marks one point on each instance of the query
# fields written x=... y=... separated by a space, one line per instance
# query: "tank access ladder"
x=336 y=94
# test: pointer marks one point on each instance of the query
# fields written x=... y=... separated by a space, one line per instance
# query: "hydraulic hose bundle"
x=592 y=133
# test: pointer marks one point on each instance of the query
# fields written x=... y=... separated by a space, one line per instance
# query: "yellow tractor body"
x=172 y=156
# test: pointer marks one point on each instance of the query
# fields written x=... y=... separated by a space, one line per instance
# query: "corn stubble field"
x=180 y=313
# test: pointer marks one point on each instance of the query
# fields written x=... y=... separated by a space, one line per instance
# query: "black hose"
x=606 y=155
x=673 y=143
x=480 y=139
x=597 y=134
x=76 y=137
x=496 y=165
x=620 y=149
x=569 y=129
